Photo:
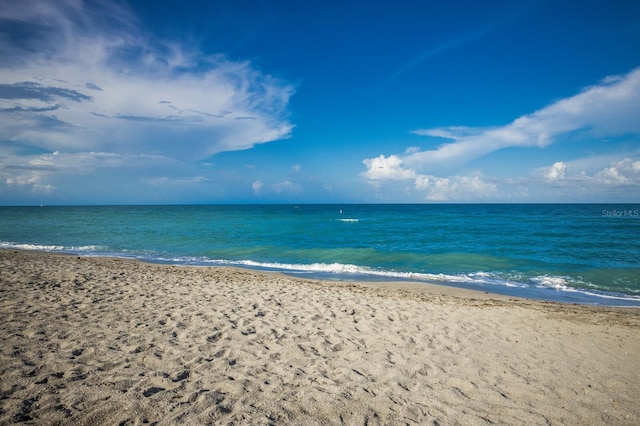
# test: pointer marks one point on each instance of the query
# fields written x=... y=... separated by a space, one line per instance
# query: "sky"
x=276 y=101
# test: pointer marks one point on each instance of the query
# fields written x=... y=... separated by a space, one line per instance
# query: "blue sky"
x=329 y=102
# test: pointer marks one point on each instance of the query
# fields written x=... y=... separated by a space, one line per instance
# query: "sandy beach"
x=110 y=341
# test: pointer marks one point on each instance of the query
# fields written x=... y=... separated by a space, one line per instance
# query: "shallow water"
x=583 y=253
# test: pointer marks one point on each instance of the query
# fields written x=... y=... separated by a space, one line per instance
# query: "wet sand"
x=111 y=341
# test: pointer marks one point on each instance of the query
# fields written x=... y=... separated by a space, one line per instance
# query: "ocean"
x=573 y=253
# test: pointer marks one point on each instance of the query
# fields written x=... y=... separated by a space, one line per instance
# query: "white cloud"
x=625 y=172
x=432 y=188
x=285 y=187
x=80 y=78
x=257 y=186
x=387 y=168
x=28 y=179
x=180 y=182
x=411 y=150
x=36 y=172
x=556 y=172
x=455 y=188
x=609 y=108
x=585 y=180
x=616 y=173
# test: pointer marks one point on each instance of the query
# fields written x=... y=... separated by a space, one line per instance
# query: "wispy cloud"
x=38 y=173
x=607 y=109
x=34 y=90
x=77 y=77
x=444 y=46
x=459 y=40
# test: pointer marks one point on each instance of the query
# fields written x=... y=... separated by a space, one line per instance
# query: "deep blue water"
x=572 y=253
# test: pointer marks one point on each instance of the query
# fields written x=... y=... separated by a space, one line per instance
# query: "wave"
x=564 y=284
x=50 y=247
x=546 y=287
x=339 y=269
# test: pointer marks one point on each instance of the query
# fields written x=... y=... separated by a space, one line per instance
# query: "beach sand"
x=110 y=341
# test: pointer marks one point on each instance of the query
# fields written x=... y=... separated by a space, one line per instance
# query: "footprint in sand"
x=152 y=391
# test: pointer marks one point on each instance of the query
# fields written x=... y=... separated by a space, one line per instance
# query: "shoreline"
x=577 y=296
x=109 y=340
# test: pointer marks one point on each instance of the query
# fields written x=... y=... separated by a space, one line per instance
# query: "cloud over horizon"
x=607 y=109
x=83 y=78
x=128 y=102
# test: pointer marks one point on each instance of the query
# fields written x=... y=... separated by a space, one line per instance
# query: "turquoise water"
x=571 y=253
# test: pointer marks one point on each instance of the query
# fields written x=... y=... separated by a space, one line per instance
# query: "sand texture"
x=108 y=341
